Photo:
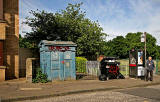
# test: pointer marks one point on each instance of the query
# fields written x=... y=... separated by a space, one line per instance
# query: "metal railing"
x=87 y=70
x=157 y=69
x=124 y=70
x=91 y=69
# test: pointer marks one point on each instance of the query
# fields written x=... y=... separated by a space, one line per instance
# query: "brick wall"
x=2 y=30
x=11 y=42
x=1 y=9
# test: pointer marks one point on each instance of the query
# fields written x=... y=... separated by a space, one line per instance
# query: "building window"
x=1 y=9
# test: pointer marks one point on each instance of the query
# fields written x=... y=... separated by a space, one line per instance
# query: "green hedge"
x=81 y=64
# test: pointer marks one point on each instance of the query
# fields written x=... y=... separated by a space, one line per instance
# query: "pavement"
x=140 y=94
x=20 y=90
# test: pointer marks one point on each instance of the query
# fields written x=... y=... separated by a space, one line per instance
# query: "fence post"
x=86 y=67
x=98 y=69
x=126 y=70
x=157 y=66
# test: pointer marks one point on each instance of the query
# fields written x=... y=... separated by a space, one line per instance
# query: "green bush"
x=81 y=64
x=40 y=77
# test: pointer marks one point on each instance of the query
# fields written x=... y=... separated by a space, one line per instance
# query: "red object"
x=1 y=53
x=58 y=48
x=133 y=50
x=132 y=65
x=114 y=69
x=62 y=62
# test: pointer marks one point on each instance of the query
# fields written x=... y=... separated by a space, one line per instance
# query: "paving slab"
x=14 y=90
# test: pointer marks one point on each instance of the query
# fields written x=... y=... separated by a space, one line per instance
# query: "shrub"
x=81 y=64
x=40 y=77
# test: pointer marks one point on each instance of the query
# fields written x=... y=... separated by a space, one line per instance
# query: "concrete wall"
x=31 y=69
x=24 y=54
x=2 y=73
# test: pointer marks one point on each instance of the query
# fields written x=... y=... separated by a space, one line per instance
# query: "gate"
x=87 y=70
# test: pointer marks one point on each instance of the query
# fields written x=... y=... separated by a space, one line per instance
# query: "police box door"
x=61 y=64
x=67 y=65
x=56 y=66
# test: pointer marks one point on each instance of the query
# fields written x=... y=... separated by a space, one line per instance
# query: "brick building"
x=9 y=39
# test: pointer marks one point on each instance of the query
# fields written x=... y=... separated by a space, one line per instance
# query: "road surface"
x=147 y=94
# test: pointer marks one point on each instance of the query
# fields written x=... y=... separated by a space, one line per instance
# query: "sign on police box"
x=58 y=48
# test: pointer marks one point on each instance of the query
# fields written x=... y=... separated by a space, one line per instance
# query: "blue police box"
x=57 y=59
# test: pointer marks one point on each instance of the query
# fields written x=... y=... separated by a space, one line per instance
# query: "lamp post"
x=143 y=39
x=145 y=49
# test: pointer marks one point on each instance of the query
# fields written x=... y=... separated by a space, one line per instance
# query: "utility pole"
x=144 y=39
x=145 y=51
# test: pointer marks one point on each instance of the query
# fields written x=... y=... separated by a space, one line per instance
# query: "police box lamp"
x=136 y=63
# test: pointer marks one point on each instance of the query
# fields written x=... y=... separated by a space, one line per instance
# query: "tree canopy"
x=71 y=24
x=24 y=43
x=120 y=46
x=67 y=25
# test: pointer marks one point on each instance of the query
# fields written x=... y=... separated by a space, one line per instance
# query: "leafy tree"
x=158 y=52
x=134 y=40
x=151 y=46
x=67 y=25
x=24 y=43
x=117 y=47
x=121 y=46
